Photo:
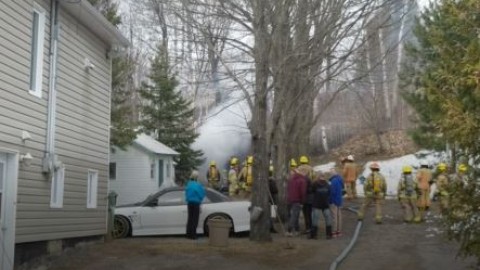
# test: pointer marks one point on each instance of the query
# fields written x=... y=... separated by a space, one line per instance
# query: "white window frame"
x=36 y=57
x=92 y=188
x=57 y=188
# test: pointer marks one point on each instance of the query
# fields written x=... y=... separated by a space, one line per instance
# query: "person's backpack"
x=213 y=173
x=409 y=185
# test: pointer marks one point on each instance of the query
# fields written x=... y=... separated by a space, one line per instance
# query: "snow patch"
x=324 y=167
x=392 y=168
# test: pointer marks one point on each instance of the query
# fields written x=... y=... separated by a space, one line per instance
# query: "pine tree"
x=122 y=131
x=169 y=116
x=447 y=98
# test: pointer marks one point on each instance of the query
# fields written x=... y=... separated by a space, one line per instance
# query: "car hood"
x=128 y=205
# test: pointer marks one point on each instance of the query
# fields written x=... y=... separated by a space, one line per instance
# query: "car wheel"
x=224 y=216
x=121 y=227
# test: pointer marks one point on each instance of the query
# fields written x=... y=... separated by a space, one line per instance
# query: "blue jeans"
x=294 y=213
x=327 y=215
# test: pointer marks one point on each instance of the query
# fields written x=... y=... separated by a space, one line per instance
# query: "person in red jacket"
x=296 y=195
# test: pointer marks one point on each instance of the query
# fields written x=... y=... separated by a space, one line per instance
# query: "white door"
x=8 y=195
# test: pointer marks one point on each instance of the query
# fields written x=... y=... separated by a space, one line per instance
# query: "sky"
x=424 y=3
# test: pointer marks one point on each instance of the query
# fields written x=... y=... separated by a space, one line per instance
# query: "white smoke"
x=224 y=134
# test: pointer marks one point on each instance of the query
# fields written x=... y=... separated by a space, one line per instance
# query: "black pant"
x=307 y=214
x=192 y=223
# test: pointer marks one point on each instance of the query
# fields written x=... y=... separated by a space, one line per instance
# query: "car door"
x=169 y=216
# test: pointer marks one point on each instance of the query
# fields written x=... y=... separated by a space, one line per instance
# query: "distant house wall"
x=133 y=181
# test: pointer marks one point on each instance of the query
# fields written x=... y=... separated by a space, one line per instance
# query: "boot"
x=313 y=232
x=329 y=232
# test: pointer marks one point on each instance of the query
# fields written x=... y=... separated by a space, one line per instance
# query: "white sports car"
x=165 y=213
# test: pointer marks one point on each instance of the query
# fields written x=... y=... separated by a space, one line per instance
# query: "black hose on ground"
x=346 y=251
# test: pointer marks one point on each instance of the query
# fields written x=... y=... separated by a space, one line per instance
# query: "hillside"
x=365 y=147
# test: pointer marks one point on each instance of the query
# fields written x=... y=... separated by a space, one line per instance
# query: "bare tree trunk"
x=260 y=229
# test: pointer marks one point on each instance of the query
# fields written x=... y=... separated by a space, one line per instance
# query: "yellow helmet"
x=462 y=168
x=293 y=163
x=407 y=169
x=234 y=161
x=442 y=167
x=304 y=160
x=213 y=163
x=249 y=160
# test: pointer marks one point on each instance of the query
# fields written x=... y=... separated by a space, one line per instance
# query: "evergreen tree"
x=447 y=98
x=169 y=116
x=122 y=131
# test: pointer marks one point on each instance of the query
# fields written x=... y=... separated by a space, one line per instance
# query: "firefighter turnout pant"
x=378 y=201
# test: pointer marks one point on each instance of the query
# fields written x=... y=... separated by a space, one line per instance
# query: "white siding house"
x=141 y=169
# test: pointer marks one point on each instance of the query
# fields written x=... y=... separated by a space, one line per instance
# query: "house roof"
x=84 y=12
x=153 y=145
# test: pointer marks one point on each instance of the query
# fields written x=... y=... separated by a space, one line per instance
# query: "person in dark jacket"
x=336 y=201
x=273 y=197
x=321 y=203
x=194 y=195
x=296 y=195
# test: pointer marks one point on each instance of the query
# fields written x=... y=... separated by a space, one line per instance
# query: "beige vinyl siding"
x=82 y=123
x=19 y=110
x=81 y=141
x=16 y=30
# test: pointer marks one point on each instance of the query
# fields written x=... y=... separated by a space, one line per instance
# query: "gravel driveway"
x=392 y=245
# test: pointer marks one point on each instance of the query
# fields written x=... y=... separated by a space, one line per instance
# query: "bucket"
x=218 y=231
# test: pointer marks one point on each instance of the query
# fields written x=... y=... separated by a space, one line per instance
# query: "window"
x=152 y=170
x=36 y=57
x=113 y=171
x=56 y=193
x=92 y=189
x=160 y=172
x=172 y=198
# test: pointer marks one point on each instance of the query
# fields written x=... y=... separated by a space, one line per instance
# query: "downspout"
x=50 y=157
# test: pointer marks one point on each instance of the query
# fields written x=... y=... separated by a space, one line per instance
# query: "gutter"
x=49 y=160
x=85 y=13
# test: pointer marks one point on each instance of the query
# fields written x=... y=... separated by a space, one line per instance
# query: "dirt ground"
x=391 y=245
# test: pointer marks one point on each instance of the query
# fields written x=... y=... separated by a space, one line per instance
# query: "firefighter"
x=458 y=186
x=307 y=171
x=407 y=195
x=461 y=176
x=423 y=177
x=246 y=177
x=293 y=166
x=375 y=189
x=233 y=177
x=213 y=176
x=350 y=175
x=442 y=182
